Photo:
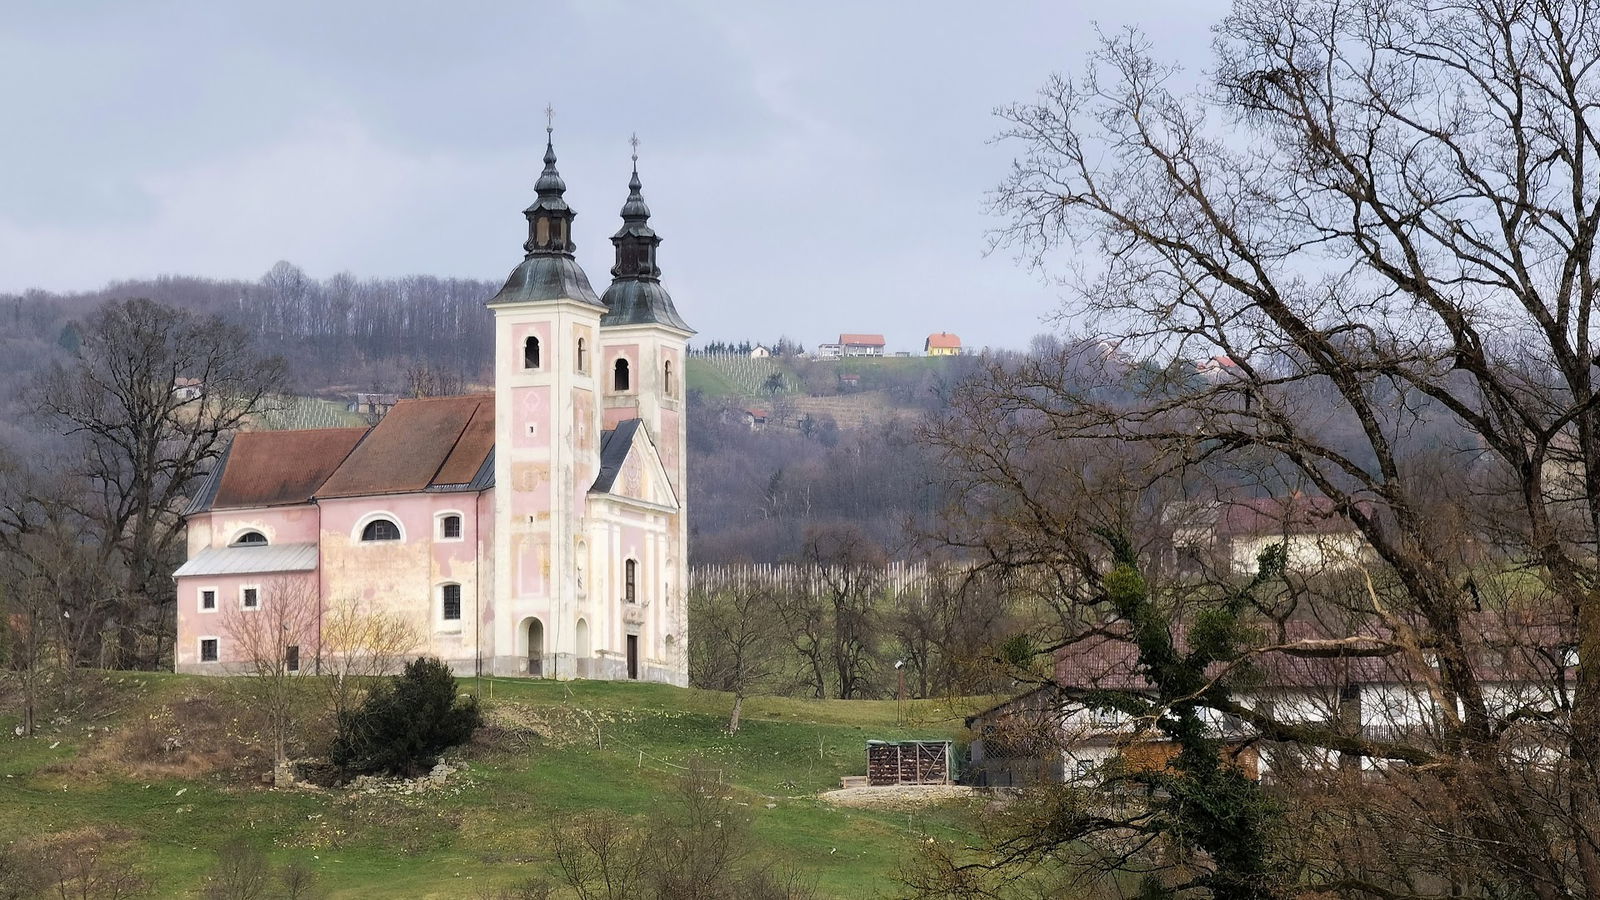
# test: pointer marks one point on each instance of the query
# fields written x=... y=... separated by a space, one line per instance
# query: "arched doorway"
x=535 y=648
x=581 y=633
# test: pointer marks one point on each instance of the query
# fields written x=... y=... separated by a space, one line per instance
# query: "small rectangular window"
x=252 y=599
x=208 y=599
x=208 y=649
x=291 y=658
x=452 y=602
x=451 y=527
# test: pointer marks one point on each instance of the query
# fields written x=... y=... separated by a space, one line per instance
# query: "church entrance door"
x=633 y=656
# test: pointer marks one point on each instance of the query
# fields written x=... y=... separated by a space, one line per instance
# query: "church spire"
x=635 y=241
x=636 y=296
x=549 y=218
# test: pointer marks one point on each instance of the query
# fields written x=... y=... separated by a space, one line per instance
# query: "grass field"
x=701 y=375
x=604 y=746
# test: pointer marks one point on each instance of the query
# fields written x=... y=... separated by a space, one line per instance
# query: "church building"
x=538 y=530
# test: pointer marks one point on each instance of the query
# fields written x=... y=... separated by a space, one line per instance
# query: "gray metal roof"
x=631 y=301
x=254 y=560
x=547 y=278
x=208 y=489
x=614 y=446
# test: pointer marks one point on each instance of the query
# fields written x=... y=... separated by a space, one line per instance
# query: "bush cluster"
x=405 y=723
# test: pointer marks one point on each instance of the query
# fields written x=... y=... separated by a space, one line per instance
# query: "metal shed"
x=908 y=762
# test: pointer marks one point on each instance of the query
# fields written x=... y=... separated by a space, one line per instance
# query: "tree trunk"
x=738 y=707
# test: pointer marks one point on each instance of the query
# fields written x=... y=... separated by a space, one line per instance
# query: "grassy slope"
x=489 y=827
x=703 y=376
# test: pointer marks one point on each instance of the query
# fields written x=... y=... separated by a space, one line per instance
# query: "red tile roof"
x=1298 y=514
x=434 y=441
x=476 y=441
x=277 y=468
x=1501 y=649
x=944 y=340
x=867 y=340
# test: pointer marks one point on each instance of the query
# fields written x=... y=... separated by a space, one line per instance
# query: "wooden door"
x=633 y=656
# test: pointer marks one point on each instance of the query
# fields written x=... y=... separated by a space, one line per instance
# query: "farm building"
x=375 y=405
x=908 y=762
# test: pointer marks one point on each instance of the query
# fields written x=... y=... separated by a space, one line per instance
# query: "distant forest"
x=337 y=334
x=756 y=494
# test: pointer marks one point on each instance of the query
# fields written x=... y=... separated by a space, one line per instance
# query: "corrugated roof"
x=257 y=560
x=414 y=445
x=276 y=468
x=870 y=340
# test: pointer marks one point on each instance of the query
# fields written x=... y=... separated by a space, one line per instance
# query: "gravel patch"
x=900 y=796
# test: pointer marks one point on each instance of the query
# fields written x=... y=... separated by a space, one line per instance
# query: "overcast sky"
x=814 y=168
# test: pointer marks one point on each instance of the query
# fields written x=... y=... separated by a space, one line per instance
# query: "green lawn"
x=611 y=746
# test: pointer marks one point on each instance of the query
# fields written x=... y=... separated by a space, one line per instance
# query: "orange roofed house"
x=536 y=530
x=942 y=344
x=861 y=344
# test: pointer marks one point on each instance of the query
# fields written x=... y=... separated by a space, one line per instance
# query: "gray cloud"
x=815 y=168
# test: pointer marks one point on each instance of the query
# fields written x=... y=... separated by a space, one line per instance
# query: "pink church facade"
x=538 y=530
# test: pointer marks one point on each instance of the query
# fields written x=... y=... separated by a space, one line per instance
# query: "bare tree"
x=90 y=865
x=849 y=570
x=1381 y=215
x=424 y=380
x=600 y=857
x=272 y=641
x=57 y=597
x=138 y=446
x=698 y=847
x=736 y=641
x=357 y=644
x=241 y=873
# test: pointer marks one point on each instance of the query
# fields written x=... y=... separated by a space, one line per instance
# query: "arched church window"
x=450 y=527
x=250 y=539
x=450 y=602
x=583 y=356
x=530 y=353
x=666 y=375
x=380 y=530
x=619 y=376
x=630 y=581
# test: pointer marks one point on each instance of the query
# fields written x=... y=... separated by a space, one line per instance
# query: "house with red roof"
x=861 y=344
x=1362 y=683
x=1230 y=535
x=942 y=344
x=536 y=530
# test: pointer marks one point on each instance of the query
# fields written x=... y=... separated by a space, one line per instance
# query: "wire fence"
x=898 y=577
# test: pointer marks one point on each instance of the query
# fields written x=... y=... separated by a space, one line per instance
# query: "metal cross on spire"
x=549 y=119
x=634 y=142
